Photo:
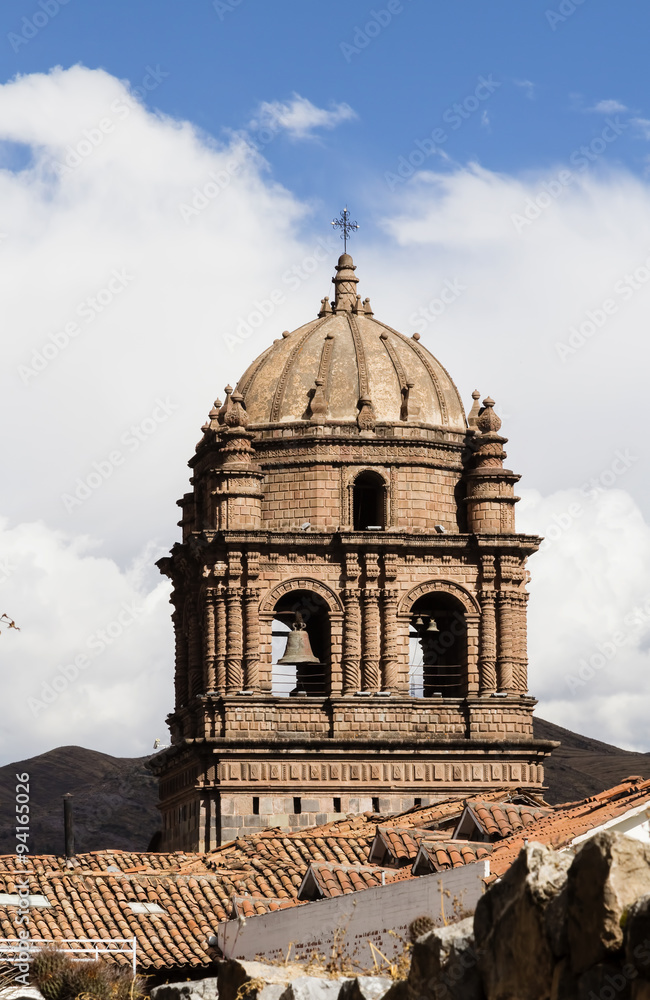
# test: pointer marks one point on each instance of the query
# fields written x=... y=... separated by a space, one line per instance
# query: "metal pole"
x=68 y=826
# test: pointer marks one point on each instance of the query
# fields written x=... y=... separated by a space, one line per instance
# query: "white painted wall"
x=381 y=915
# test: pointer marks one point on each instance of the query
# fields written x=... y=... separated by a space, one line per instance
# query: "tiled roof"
x=438 y=856
x=92 y=896
x=251 y=906
x=573 y=819
x=396 y=844
x=501 y=819
x=338 y=880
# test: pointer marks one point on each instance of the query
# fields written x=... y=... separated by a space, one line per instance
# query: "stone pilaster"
x=505 y=662
x=195 y=655
x=221 y=639
x=180 y=674
x=208 y=640
x=351 y=641
x=234 y=651
x=488 y=643
x=371 y=641
x=389 y=659
x=252 y=657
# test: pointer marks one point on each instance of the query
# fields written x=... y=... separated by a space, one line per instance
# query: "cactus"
x=420 y=926
x=59 y=977
x=48 y=972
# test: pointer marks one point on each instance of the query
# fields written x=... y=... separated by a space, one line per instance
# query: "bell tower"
x=349 y=592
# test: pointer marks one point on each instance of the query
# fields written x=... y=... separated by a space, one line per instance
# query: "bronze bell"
x=432 y=627
x=298 y=647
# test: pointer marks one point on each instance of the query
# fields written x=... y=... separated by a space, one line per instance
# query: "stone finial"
x=345 y=284
x=367 y=308
x=325 y=308
x=233 y=412
x=366 y=417
x=472 y=416
x=214 y=415
x=488 y=422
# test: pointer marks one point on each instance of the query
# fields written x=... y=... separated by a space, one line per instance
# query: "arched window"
x=368 y=502
x=438 y=647
x=301 y=646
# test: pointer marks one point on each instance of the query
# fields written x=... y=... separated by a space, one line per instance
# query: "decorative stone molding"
x=271 y=598
x=469 y=602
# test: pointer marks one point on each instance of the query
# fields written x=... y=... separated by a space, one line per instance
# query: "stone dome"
x=346 y=367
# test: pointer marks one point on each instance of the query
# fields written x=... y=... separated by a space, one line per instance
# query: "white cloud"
x=608 y=107
x=299 y=117
x=589 y=620
x=201 y=236
x=642 y=126
x=528 y=87
x=92 y=661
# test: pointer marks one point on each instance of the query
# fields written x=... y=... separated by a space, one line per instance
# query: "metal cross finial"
x=343 y=223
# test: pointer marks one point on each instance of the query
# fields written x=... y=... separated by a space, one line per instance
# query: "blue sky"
x=502 y=149
x=222 y=63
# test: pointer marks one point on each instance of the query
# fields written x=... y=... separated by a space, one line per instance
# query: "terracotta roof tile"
x=501 y=819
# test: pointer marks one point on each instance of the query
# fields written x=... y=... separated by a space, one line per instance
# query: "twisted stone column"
x=208 y=641
x=181 y=680
x=371 y=640
x=351 y=641
x=389 y=664
x=520 y=658
x=252 y=657
x=505 y=664
x=234 y=649
x=488 y=644
x=195 y=655
x=221 y=634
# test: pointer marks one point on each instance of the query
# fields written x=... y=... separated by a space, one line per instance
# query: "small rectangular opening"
x=297 y=805
x=375 y=804
x=256 y=805
x=417 y=802
x=337 y=805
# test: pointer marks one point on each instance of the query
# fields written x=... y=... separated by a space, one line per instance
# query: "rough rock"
x=365 y=988
x=258 y=980
x=517 y=941
x=609 y=872
x=606 y=979
x=637 y=936
x=201 y=989
x=444 y=964
x=312 y=988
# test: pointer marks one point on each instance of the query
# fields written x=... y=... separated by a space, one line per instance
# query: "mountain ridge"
x=115 y=798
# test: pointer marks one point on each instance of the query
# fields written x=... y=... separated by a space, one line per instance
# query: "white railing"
x=81 y=949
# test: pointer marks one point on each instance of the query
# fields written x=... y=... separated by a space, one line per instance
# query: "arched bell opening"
x=438 y=647
x=301 y=644
x=368 y=501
